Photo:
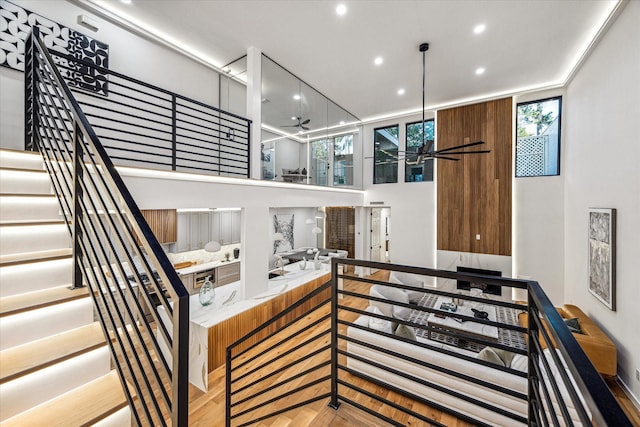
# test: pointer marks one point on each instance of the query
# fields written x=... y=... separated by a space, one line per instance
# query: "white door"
x=376 y=236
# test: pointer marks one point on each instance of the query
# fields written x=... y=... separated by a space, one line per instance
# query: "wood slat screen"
x=340 y=229
x=474 y=193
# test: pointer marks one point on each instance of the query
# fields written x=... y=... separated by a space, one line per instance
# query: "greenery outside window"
x=385 y=155
x=416 y=136
x=538 y=140
x=343 y=160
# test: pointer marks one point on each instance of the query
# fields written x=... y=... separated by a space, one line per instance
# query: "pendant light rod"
x=423 y=48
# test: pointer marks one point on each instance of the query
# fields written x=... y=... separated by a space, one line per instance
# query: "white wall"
x=602 y=154
x=538 y=220
x=413 y=206
x=128 y=54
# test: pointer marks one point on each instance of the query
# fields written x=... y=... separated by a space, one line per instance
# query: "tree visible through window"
x=416 y=136
x=538 y=141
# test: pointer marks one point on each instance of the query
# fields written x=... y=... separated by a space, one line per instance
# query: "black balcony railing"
x=401 y=378
x=115 y=254
x=142 y=125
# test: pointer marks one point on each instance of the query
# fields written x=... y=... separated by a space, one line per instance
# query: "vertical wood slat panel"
x=163 y=223
x=474 y=193
x=228 y=331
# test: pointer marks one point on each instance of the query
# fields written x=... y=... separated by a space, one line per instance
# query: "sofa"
x=598 y=347
x=435 y=353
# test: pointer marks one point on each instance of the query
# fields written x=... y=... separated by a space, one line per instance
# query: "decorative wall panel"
x=474 y=193
x=15 y=25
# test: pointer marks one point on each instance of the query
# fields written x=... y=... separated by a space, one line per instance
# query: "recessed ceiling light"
x=378 y=60
x=126 y=1
x=341 y=9
x=296 y=97
x=293 y=117
x=479 y=28
x=480 y=71
x=400 y=91
x=342 y=122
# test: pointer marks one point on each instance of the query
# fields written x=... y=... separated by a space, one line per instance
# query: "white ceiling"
x=527 y=44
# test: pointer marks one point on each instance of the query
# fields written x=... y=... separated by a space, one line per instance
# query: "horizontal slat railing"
x=142 y=125
x=389 y=377
x=131 y=285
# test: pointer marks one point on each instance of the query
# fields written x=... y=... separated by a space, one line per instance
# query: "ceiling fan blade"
x=289 y=126
x=305 y=122
x=304 y=127
x=471 y=144
x=445 y=158
x=464 y=152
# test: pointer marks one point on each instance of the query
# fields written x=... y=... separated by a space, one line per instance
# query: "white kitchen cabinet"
x=183 y=242
x=196 y=229
x=202 y=235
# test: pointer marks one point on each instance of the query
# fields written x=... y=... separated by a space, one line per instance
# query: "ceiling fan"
x=426 y=151
x=300 y=125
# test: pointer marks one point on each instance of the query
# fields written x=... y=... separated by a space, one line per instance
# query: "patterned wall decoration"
x=283 y=224
x=15 y=25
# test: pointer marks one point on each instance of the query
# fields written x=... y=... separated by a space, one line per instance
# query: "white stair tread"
x=31 y=222
x=33 y=300
x=20 y=158
x=26 y=257
x=27 y=358
x=84 y=405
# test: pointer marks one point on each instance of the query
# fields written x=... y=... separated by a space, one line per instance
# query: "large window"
x=343 y=160
x=538 y=141
x=416 y=136
x=385 y=155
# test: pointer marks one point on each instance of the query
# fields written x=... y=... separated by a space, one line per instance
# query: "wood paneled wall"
x=163 y=223
x=474 y=193
x=340 y=232
x=229 y=331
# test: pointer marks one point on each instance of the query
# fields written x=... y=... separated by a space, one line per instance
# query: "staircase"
x=55 y=366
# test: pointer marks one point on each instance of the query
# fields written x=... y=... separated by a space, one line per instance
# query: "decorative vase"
x=207 y=292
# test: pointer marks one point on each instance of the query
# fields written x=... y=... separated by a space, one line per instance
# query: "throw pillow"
x=392 y=294
x=405 y=331
x=505 y=355
x=411 y=280
x=377 y=324
x=573 y=325
x=488 y=354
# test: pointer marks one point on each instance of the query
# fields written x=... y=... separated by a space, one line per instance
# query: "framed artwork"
x=602 y=255
x=283 y=223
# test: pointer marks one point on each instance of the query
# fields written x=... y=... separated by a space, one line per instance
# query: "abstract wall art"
x=283 y=223
x=15 y=25
x=602 y=255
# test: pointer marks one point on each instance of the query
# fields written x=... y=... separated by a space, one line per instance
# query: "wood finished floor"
x=208 y=409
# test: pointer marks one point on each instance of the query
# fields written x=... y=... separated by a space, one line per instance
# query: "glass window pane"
x=343 y=160
x=538 y=141
x=385 y=155
x=416 y=136
x=319 y=162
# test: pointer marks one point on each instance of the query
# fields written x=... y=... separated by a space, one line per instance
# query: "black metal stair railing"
x=390 y=377
x=142 y=125
x=131 y=283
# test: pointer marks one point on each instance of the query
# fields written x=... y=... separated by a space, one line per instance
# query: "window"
x=415 y=139
x=385 y=155
x=538 y=140
x=343 y=160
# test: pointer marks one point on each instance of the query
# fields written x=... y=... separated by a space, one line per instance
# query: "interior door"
x=376 y=236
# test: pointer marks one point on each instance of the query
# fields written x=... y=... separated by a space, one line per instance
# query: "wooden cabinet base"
x=230 y=330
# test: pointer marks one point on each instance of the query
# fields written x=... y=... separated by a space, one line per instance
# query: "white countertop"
x=206 y=266
x=207 y=316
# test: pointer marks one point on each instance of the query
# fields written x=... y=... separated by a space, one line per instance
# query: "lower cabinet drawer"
x=227 y=274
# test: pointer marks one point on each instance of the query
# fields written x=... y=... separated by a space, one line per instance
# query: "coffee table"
x=470 y=328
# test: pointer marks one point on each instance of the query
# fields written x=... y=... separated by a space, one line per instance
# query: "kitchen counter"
x=206 y=266
x=228 y=303
x=207 y=316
